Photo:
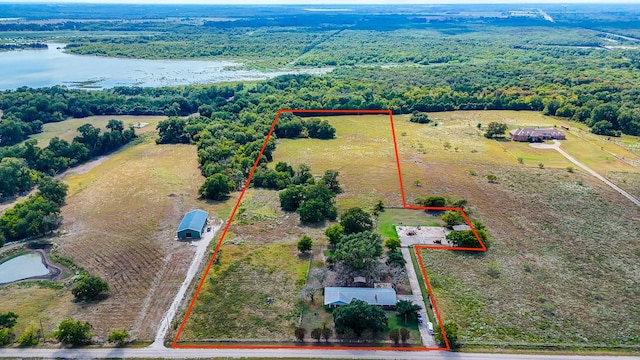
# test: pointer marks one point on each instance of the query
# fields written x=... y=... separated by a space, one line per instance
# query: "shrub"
x=334 y=233
x=118 y=337
x=316 y=334
x=493 y=269
x=29 y=337
x=541 y=166
x=392 y=244
x=492 y=178
x=305 y=244
x=394 y=335
x=300 y=333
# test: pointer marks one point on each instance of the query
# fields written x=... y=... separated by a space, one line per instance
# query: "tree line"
x=26 y=165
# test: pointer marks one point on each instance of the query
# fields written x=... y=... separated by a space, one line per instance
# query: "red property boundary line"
x=175 y=344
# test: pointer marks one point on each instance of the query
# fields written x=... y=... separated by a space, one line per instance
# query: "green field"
x=389 y=218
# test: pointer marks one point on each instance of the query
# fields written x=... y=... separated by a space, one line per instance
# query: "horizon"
x=322 y=2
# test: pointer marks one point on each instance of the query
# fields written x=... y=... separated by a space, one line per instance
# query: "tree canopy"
x=90 y=288
x=359 y=316
x=356 y=220
x=360 y=250
x=495 y=129
x=73 y=333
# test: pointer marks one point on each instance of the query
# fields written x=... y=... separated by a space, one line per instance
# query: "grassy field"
x=257 y=260
x=67 y=129
x=566 y=249
x=365 y=160
x=567 y=266
x=119 y=223
x=389 y=218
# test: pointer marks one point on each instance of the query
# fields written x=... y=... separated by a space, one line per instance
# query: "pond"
x=22 y=267
x=52 y=66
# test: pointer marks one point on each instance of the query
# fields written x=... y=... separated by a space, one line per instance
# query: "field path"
x=556 y=146
x=201 y=249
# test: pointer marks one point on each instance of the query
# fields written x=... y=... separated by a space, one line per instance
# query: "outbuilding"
x=193 y=224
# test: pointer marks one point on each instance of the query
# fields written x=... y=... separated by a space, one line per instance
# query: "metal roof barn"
x=193 y=225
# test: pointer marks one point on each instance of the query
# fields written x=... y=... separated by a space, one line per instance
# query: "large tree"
x=90 y=288
x=495 y=129
x=356 y=220
x=359 y=251
x=407 y=309
x=217 y=187
x=330 y=179
x=359 y=316
x=52 y=189
x=464 y=238
x=74 y=333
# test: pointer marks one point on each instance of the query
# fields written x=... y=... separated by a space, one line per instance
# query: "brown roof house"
x=536 y=135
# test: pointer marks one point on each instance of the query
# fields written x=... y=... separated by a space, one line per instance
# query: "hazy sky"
x=320 y=2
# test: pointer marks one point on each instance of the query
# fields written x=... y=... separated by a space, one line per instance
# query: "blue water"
x=22 y=267
x=44 y=68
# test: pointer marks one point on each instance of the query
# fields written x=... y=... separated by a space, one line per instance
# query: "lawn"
x=411 y=324
x=389 y=218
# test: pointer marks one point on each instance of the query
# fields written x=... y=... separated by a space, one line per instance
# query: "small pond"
x=22 y=267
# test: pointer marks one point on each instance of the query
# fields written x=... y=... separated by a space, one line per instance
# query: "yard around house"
x=547 y=226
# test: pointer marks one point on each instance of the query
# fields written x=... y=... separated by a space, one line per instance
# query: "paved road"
x=556 y=146
x=427 y=339
x=277 y=353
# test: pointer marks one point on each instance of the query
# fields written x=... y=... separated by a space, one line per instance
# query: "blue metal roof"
x=194 y=220
x=372 y=296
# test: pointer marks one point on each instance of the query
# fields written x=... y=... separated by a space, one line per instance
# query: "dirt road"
x=556 y=146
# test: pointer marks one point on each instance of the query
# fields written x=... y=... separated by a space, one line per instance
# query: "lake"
x=45 y=68
x=22 y=267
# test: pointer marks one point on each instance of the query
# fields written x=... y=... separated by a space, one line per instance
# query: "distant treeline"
x=23 y=46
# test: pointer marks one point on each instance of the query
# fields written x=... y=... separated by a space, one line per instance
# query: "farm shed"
x=193 y=224
x=336 y=296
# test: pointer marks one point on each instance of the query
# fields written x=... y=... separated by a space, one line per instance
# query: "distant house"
x=193 y=225
x=536 y=135
x=337 y=296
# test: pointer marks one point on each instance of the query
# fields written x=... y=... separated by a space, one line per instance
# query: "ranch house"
x=193 y=225
x=336 y=296
x=536 y=135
